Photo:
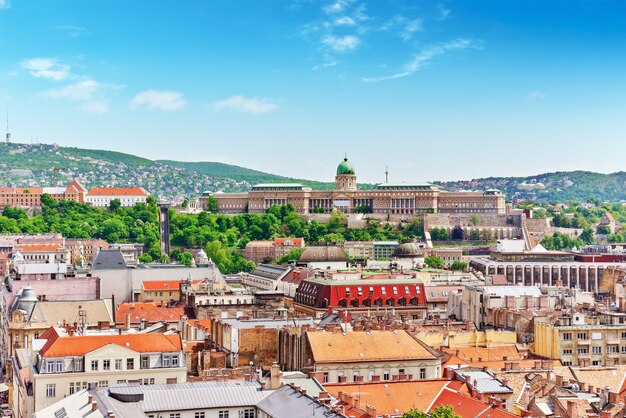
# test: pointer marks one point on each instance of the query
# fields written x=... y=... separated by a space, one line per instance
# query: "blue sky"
x=436 y=90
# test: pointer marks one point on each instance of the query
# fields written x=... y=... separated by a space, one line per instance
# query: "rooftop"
x=59 y=345
x=357 y=346
x=117 y=191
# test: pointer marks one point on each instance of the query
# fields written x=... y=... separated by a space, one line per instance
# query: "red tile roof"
x=38 y=247
x=297 y=242
x=467 y=407
x=151 y=312
x=117 y=191
x=161 y=285
x=79 y=345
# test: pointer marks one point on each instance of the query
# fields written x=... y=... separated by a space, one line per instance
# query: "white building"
x=128 y=196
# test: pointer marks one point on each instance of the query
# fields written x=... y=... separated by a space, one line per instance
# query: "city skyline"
x=267 y=85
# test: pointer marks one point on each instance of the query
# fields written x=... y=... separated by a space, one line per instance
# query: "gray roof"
x=304 y=381
x=286 y=402
x=267 y=323
x=516 y=291
x=109 y=259
x=181 y=396
x=486 y=382
x=75 y=405
x=269 y=271
x=323 y=253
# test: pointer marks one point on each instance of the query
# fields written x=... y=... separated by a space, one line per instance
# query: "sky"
x=435 y=90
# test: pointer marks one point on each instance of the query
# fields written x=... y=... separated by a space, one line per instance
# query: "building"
x=40 y=261
x=377 y=295
x=160 y=290
x=581 y=340
x=483 y=305
x=324 y=257
x=29 y=317
x=260 y=251
x=128 y=196
x=448 y=255
x=283 y=246
x=66 y=363
x=359 y=250
x=142 y=315
x=384 y=249
x=84 y=251
x=386 y=199
x=360 y=356
x=266 y=276
x=30 y=197
x=437 y=300
x=237 y=399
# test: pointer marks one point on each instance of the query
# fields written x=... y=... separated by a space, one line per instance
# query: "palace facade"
x=386 y=198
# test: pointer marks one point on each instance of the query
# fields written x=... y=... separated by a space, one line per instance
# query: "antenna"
x=386 y=174
x=8 y=136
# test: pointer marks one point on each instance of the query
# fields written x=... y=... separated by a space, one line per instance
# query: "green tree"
x=442 y=411
x=474 y=219
x=294 y=255
x=434 y=262
x=185 y=258
x=145 y=258
x=603 y=230
x=587 y=236
x=439 y=234
x=459 y=265
x=338 y=220
x=114 y=205
x=211 y=204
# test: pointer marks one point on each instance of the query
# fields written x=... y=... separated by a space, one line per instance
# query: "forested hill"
x=32 y=165
x=559 y=186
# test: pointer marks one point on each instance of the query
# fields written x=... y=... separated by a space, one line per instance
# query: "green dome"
x=345 y=167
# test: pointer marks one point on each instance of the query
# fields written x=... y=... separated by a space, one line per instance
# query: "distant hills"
x=32 y=165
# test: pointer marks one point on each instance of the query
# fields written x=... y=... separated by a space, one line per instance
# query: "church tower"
x=346 y=176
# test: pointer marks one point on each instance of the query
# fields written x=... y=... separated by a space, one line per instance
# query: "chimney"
x=89 y=398
x=572 y=411
x=275 y=375
x=370 y=410
x=127 y=322
x=263 y=385
x=559 y=380
x=94 y=405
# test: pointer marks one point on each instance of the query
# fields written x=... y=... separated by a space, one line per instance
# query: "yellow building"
x=160 y=291
x=578 y=340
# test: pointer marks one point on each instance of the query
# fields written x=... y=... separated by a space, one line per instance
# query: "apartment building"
x=128 y=196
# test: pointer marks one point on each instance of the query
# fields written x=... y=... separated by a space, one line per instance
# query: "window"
x=567 y=336
x=130 y=364
x=596 y=363
x=78 y=365
x=201 y=414
x=581 y=335
x=355 y=375
x=596 y=350
x=118 y=364
x=121 y=382
x=567 y=351
x=94 y=365
x=623 y=335
x=74 y=388
x=51 y=390
x=422 y=373
x=166 y=361
x=103 y=384
x=106 y=364
x=175 y=361
x=175 y=415
x=222 y=414
x=325 y=377
x=583 y=350
x=612 y=349
x=247 y=413
x=145 y=362
x=386 y=375
x=401 y=371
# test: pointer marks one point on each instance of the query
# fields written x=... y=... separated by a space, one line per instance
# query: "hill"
x=32 y=165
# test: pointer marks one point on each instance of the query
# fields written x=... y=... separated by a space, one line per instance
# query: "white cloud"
x=404 y=27
x=162 y=100
x=421 y=59
x=48 y=68
x=256 y=105
x=79 y=91
x=535 y=96
x=4 y=4
x=72 y=30
x=341 y=43
x=337 y=6
x=324 y=65
x=97 y=107
x=344 y=21
x=443 y=12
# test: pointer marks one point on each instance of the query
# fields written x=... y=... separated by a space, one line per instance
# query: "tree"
x=587 y=236
x=442 y=411
x=211 y=204
x=434 y=262
x=459 y=265
x=439 y=234
x=294 y=255
x=185 y=258
x=457 y=233
x=337 y=220
x=474 y=219
x=604 y=230
x=114 y=205
x=145 y=258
